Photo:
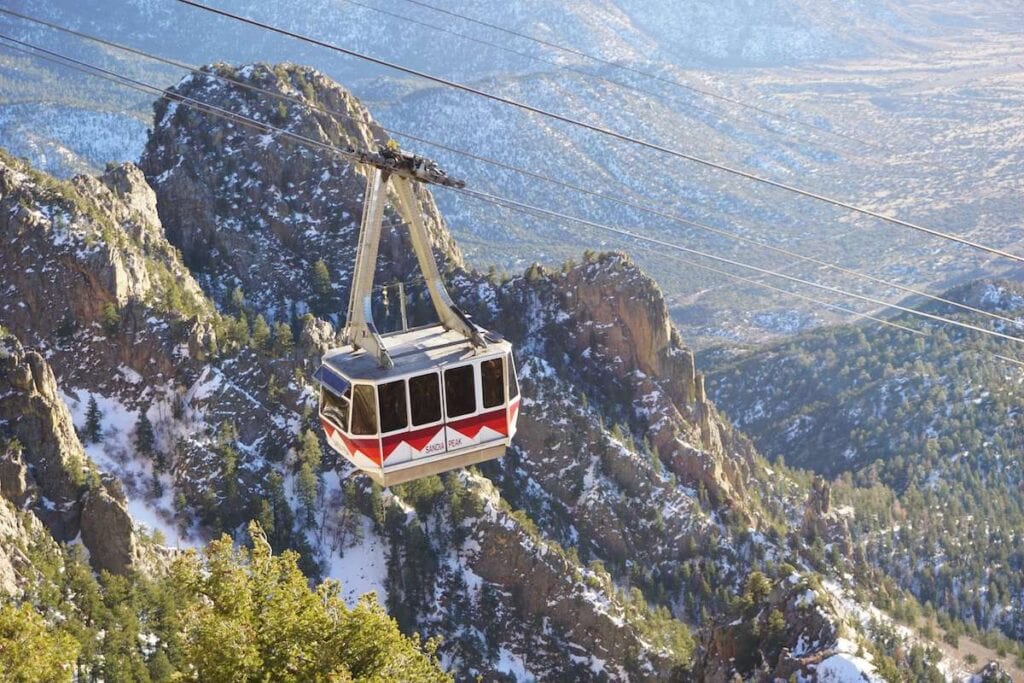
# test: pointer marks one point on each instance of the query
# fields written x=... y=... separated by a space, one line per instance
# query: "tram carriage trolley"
x=420 y=401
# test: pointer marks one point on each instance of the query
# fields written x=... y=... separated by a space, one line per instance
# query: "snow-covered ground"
x=847 y=667
x=359 y=562
x=361 y=568
x=65 y=140
x=865 y=615
x=116 y=454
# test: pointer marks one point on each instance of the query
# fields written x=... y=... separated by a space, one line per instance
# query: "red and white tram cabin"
x=443 y=405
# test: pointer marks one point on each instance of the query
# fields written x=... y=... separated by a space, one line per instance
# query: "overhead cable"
x=842 y=204
x=497 y=200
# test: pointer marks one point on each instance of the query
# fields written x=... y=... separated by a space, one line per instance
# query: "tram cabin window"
x=336 y=408
x=459 y=391
x=364 y=410
x=391 y=399
x=492 y=382
x=425 y=399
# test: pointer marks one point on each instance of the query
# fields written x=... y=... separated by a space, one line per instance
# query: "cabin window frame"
x=512 y=381
x=376 y=411
x=324 y=392
x=380 y=413
x=474 y=367
x=438 y=377
x=502 y=383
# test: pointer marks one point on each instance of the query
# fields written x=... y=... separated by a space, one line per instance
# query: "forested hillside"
x=934 y=421
x=230 y=613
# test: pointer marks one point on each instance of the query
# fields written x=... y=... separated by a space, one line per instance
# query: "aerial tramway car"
x=419 y=401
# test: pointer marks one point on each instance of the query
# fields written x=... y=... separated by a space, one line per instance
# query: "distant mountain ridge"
x=878 y=71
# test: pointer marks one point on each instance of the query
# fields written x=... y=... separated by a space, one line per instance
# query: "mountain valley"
x=709 y=482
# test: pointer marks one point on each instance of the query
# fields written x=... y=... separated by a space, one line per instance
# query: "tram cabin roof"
x=413 y=352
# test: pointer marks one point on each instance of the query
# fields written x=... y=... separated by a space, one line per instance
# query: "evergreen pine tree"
x=284 y=342
x=260 y=333
x=293 y=319
x=306 y=490
x=350 y=521
x=160 y=668
x=310 y=452
x=239 y=330
x=490 y=604
x=273 y=387
x=33 y=650
x=237 y=300
x=93 y=420
x=144 y=437
x=178 y=406
x=110 y=318
x=322 y=286
x=377 y=505
x=282 y=513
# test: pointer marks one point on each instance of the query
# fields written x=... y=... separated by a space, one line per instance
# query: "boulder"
x=107 y=532
x=14 y=477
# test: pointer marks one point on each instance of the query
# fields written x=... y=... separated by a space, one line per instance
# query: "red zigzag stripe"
x=378 y=451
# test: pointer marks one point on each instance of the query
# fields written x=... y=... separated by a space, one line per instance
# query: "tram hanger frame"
x=360 y=330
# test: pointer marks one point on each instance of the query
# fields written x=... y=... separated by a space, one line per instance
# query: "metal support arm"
x=451 y=317
x=359 y=329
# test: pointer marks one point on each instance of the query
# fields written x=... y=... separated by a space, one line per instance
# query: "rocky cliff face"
x=258 y=211
x=823 y=521
x=95 y=285
x=87 y=268
x=46 y=470
x=588 y=622
x=16 y=531
x=603 y=326
x=52 y=460
x=79 y=246
x=796 y=632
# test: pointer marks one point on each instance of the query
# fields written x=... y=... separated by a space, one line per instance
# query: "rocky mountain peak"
x=131 y=202
x=255 y=210
x=81 y=249
x=824 y=521
x=611 y=324
x=615 y=294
